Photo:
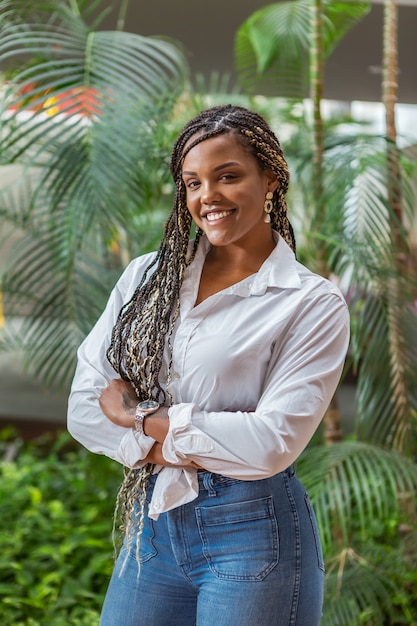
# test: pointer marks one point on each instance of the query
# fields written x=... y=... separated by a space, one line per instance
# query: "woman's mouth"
x=218 y=215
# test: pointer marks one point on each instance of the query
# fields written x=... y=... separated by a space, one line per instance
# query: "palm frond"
x=271 y=49
x=83 y=113
x=272 y=46
x=363 y=254
x=360 y=478
x=357 y=591
x=340 y=17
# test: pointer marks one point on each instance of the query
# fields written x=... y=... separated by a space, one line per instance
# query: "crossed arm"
x=118 y=403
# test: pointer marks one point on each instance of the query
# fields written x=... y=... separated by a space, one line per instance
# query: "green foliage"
x=272 y=47
x=364 y=500
x=56 y=555
x=356 y=487
x=86 y=124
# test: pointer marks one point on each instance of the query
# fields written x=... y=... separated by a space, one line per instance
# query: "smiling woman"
x=226 y=191
x=239 y=349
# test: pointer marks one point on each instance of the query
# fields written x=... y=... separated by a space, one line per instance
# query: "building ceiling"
x=207 y=30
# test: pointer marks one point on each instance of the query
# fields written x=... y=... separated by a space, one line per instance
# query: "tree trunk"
x=395 y=295
x=316 y=93
x=332 y=419
x=389 y=99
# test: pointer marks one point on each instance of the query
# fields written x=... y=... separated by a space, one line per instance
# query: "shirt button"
x=175 y=376
x=157 y=505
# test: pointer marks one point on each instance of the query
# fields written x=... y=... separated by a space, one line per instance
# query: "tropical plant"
x=284 y=46
x=56 y=505
x=358 y=196
x=362 y=495
x=84 y=120
x=279 y=49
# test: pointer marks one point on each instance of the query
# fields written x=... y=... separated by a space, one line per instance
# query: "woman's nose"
x=209 y=193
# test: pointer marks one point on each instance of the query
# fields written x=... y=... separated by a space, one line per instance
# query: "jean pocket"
x=315 y=529
x=240 y=540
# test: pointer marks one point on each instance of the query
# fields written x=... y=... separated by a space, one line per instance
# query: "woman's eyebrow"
x=216 y=169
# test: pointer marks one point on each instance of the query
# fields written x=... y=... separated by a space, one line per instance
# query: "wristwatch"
x=144 y=408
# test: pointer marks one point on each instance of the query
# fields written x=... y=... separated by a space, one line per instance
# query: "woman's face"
x=226 y=191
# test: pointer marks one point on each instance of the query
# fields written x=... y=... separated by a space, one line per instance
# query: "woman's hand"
x=118 y=403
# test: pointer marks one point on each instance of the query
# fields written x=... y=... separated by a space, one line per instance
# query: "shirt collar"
x=278 y=270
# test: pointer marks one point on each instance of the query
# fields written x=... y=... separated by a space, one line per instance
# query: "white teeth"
x=212 y=217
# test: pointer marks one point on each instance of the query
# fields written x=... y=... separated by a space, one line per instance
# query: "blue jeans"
x=244 y=553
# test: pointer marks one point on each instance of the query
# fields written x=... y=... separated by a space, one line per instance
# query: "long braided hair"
x=145 y=324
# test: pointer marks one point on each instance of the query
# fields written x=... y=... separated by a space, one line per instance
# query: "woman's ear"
x=272 y=181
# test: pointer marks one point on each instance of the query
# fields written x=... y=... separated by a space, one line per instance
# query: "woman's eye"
x=191 y=184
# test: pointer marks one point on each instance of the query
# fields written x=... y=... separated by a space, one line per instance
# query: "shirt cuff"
x=183 y=439
x=133 y=449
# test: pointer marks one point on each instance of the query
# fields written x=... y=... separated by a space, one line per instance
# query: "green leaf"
x=352 y=484
x=272 y=47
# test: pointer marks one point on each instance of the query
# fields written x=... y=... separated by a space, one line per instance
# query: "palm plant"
x=359 y=491
x=85 y=121
x=285 y=45
x=362 y=497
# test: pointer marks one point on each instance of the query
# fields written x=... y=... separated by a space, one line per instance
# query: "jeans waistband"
x=219 y=479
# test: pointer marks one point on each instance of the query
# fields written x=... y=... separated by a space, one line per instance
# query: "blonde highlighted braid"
x=145 y=324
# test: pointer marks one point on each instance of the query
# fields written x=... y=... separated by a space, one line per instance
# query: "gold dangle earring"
x=268 y=207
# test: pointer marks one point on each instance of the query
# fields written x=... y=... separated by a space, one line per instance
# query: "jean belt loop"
x=208 y=482
x=291 y=469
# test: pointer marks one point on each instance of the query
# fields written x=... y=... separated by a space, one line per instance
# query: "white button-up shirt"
x=254 y=369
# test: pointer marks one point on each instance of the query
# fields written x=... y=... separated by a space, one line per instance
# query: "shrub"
x=56 y=554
